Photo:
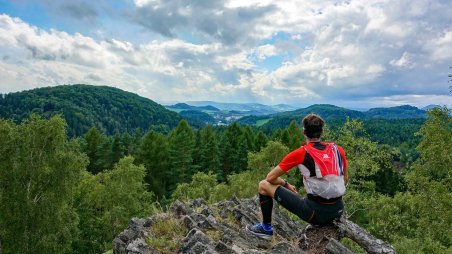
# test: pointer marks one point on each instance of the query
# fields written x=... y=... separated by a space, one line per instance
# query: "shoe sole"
x=263 y=236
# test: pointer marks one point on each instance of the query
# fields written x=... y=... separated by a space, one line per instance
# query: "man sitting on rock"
x=323 y=167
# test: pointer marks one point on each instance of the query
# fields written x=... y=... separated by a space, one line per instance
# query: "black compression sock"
x=266 y=203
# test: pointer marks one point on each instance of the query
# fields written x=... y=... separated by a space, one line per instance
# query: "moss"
x=166 y=235
x=214 y=234
x=353 y=246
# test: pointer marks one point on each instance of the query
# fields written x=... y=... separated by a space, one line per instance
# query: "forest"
x=109 y=109
x=62 y=193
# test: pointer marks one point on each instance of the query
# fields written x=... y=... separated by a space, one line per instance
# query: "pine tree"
x=292 y=136
x=234 y=150
x=196 y=165
x=260 y=141
x=181 y=144
x=118 y=150
x=153 y=153
x=209 y=151
x=248 y=134
x=92 y=145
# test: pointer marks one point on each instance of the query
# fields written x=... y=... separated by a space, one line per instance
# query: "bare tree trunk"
x=335 y=247
x=367 y=241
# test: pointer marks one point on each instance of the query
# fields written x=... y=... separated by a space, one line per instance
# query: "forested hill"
x=83 y=106
x=334 y=114
x=328 y=112
x=404 y=111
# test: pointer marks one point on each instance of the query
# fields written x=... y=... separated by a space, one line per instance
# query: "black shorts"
x=314 y=212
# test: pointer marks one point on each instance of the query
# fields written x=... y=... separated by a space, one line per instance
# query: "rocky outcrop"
x=221 y=228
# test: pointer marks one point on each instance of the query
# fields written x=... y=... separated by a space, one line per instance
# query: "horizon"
x=352 y=54
x=210 y=102
x=206 y=102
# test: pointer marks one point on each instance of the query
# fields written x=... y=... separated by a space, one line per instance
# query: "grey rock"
x=221 y=228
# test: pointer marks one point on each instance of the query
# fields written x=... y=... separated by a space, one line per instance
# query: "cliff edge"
x=197 y=227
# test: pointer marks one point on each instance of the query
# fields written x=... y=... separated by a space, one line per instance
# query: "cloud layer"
x=353 y=53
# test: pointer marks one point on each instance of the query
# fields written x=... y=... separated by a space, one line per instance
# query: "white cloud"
x=405 y=61
x=441 y=46
x=265 y=51
x=326 y=51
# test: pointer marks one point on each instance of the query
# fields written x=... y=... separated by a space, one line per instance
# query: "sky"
x=355 y=54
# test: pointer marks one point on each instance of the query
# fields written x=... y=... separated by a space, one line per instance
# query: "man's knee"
x=265 y=188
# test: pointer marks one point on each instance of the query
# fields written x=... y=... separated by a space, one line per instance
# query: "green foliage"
x=435 y=147
x=241 y=185
x=248 y=135
x=153 y=153
x=417 y=220
x=424 y=217
x=39 y=170
x=197 y=116
x=105 y=203
x=404 y=111
x=200 y=187
x=268 y=157
x=209 y=151
x=292 y=136
x=181 y=143
x=92 y=145
x=260 y=141
x=233 y=150
x=109 y=109
x=394 y=132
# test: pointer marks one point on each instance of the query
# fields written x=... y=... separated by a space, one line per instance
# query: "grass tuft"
x=166 y=235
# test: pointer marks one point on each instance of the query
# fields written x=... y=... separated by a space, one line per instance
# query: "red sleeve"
x=342 y=152
x=292 y=159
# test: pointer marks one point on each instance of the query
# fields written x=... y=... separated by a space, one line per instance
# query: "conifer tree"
x=181 y=143
x=260 y=141
x=233 y=150
x=209 y=151
x=118 y=150
x=196 y=165
x=153 y=153
x=93 y=143
x=292 y=136
x=277 y=134
x=249 y=138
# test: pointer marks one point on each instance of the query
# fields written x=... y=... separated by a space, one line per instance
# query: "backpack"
x=327 y=161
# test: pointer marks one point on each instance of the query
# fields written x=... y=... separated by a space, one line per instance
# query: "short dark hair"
x=313 y=125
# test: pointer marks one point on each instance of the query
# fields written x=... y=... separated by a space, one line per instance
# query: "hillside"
x=398 y=112
x=83 y=106
x=333 y=113
x=184 y=106
x=281 y=120
x=198 y=116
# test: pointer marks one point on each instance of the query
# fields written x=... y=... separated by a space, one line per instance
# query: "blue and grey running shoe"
x=258 y=230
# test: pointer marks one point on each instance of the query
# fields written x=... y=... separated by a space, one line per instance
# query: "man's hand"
x=291 y=188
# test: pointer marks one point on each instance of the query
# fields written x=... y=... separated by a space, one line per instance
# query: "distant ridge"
x=185 y=106
x=83 y=106
x=252 y=108
x=331 y=112
x=431 y=106
x=404 y=111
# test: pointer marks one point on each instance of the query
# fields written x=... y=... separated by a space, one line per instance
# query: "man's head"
x=313 y=126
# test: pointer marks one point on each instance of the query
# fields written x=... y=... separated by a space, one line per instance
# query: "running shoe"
x=258 y=230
